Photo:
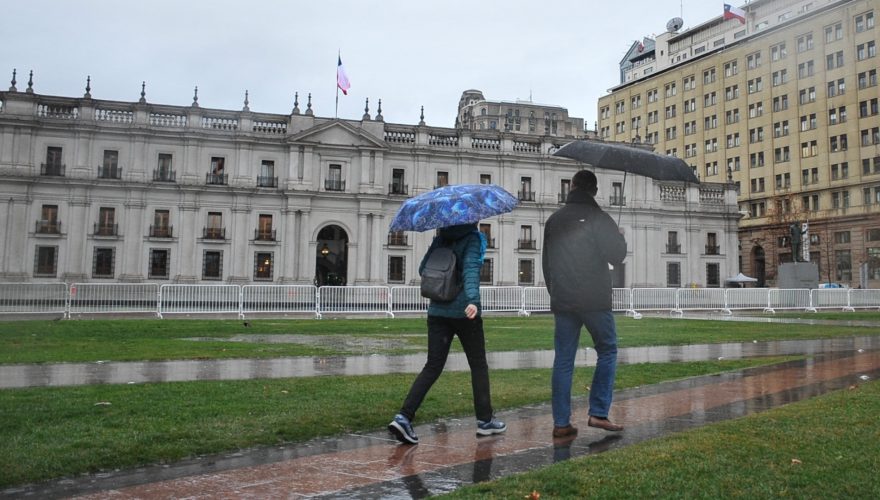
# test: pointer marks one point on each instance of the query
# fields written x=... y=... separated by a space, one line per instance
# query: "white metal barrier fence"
x=279 y=299
x=789 y=299
x=150 y=298
x=408 y=299
x=502 y=299
x=354 y=299
x=34 y=298
x=121 y=298
x=830 y=299
x=199 y=299
x=536 y=299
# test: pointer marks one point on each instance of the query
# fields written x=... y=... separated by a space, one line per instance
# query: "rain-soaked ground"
x=112 y=372
x=373 y=465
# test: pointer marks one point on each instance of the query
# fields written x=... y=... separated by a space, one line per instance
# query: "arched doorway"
x=759 y=266
x=331 y=257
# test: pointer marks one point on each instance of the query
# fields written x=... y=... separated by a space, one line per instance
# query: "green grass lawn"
x=826 y=447
x=54 y=432
x=153 y=339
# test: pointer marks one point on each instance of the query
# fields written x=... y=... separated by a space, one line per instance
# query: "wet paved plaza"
x=373 y=465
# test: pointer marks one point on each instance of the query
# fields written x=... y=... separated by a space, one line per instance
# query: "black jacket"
x=580 y=240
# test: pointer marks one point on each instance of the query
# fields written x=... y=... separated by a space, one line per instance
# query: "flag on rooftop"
x=731 y=12
x=342 y=78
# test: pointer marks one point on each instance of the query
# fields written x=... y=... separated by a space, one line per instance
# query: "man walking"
x=580 y=241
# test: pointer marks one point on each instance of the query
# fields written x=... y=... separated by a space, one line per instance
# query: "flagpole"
x=338 y=57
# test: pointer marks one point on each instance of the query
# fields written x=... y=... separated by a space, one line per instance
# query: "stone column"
x=507 y=265
x=188 y=259
x=377 y=238
x=359 y=250
x=288 y=248
x=238 y=233
x=77 y=224
x=306 y=258
x=131 y=260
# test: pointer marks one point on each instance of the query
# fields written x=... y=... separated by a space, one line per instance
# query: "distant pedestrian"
x=580 y=241
x=461 y=317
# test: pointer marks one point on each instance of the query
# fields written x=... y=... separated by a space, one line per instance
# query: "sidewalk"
x=449 y=455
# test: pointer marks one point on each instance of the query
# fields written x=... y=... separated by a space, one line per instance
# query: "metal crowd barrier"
x=535 y=299
x=199 y=299
x=120 y=298
x=151 y=298
x=34 y=298
x=502 y=299
x=408 y=299
x=354 y=299
x=279 y=299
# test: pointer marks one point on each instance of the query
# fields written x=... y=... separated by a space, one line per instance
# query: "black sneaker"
x=493 y=426
x=402 y=430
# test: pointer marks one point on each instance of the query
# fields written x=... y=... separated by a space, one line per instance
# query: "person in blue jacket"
x=460 y=316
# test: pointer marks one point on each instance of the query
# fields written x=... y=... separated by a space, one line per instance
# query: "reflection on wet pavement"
x=67 y=374
x=449 y=455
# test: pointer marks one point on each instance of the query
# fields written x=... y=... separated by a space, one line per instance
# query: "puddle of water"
x=69 y=374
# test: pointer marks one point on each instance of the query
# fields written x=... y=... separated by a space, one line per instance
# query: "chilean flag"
x=731 y=12
x=341 y=78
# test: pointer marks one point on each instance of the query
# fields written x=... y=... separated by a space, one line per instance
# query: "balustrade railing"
x=264 y=235
x=164 y=175
x=161 y=231
x=267 y=182
x=52 y=169
x=169 y=120
x=124 y=116
x=105 y=172
x=267 y=127
x=101 y=229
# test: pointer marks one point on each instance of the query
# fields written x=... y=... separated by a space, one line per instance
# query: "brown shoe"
x=568 y=430
x=604 y=423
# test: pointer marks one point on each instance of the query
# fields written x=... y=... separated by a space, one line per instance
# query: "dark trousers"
x=440 y=333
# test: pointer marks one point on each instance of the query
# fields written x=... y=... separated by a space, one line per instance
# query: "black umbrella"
x=628 y=159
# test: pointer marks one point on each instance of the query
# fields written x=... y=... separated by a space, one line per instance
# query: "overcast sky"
x=407 y=53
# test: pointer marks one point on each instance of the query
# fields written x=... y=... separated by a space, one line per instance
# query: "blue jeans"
x=441 y=331
x=567 y=334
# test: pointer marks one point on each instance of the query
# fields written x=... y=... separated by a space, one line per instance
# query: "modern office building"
x=781 y=98
x=109 y=191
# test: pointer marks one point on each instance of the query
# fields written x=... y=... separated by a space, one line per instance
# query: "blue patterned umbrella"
x=452 y=205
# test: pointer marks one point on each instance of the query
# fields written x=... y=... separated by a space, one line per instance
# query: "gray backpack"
x=441 y=278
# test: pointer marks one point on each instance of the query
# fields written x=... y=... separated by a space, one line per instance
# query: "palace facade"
x=108 y=191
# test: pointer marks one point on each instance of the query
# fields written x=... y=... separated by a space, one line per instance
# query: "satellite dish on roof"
x=674 y=24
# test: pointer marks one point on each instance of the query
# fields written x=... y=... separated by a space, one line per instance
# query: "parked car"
x=832 y=285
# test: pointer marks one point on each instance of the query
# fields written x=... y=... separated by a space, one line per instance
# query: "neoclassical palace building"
x=782 y=100
x=107 y=191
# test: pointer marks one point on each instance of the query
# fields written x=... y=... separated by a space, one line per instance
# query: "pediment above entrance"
x=338 y=133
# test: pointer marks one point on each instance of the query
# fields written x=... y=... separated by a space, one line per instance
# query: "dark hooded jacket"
x=469 y=254
x=580 y=240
